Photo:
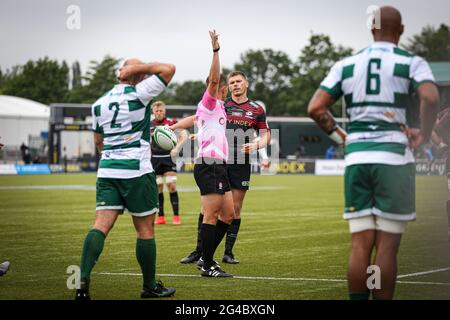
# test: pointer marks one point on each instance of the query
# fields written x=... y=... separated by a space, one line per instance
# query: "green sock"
x=359 y=295
x=146 y=256
x=93 y=246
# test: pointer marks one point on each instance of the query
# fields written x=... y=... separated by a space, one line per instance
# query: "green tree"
x=168 y=96
x=186 y=93
x=269 y=73
x=189 y=92
x=76 y=75
x=43 y=80
x=432 y=44
x=2 y=80
x=100 y=77
x=314 y=63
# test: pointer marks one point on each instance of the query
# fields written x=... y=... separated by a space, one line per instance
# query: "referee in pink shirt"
x=210 y=164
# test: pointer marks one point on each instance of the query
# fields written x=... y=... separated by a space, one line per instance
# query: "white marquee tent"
x=20 y=118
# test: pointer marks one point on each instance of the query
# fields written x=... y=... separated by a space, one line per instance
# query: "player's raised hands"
x=126 y=72
x=214 y=40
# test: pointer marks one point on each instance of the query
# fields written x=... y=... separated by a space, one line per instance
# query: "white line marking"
x=425 y=282
x=235 y=277
x=267 y=278
x=422 y=273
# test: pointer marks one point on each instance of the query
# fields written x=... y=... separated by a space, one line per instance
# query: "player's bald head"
x=390 y=26
x=132 y=61
x=135 y=78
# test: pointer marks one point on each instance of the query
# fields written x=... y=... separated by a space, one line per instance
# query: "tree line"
x=284 y=85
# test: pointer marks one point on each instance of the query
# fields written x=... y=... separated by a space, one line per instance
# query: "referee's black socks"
x=221 y=230
x=208 y=244
x=199 y=233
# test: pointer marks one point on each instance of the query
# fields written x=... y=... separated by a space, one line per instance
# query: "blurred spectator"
x=25 y=152
x=428 y=150
x=300 y=151
x=36 y=160
x=331 y=153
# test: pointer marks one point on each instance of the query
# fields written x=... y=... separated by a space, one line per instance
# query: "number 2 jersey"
x=122 y=117
x=376 y=84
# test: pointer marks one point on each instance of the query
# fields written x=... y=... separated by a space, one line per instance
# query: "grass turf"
x=295 y=231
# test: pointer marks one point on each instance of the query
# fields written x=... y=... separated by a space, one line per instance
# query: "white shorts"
x=373 y=222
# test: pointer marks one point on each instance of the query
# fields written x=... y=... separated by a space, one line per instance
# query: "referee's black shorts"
x=211 y=177
x=239 y=176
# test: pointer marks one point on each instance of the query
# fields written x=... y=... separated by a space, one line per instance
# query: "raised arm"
x=164 y=70
x=214 y=72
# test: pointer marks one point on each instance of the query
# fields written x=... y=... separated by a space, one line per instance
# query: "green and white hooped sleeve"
x=420 y=72
x=333 y=81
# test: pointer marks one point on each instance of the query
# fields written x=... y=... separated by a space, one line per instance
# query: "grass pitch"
x=293 y=242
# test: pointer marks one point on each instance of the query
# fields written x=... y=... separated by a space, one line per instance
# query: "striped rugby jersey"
x=243 y=122
x=122 y=116
x=376 y=84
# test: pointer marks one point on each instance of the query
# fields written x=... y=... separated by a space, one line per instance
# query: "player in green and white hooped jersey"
x=125 y=178
x=380 y=175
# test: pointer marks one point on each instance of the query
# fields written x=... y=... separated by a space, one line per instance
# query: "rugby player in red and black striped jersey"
x=165 y=168
x=244 y=118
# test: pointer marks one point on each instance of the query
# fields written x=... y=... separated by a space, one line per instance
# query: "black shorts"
x=211 y=178
x=239 y=176
x=163 y=165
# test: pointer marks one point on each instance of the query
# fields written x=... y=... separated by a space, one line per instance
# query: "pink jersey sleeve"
x=208 y=101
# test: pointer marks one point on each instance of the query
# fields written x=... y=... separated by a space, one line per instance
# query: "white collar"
x=384 y=44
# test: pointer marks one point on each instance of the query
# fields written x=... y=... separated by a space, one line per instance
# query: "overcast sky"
x=176 y=31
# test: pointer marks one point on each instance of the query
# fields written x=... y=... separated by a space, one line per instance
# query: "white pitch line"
x=235 y=277
x=423 y=273
x=425 y=282
x=268 y=278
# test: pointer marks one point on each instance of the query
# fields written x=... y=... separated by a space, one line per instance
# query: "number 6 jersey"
x=376 y=84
